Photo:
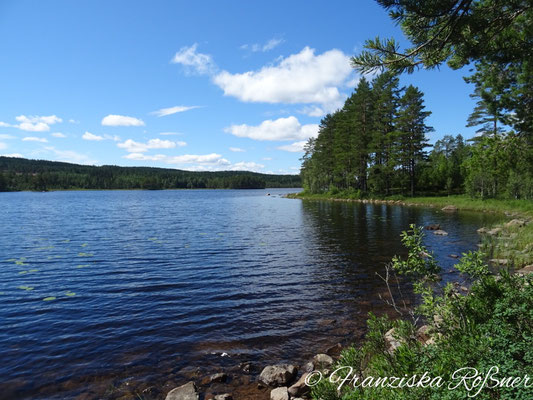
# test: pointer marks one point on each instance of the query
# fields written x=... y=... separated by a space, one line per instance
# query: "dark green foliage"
x=374 y=144
x=491 y=326
x=23 y=174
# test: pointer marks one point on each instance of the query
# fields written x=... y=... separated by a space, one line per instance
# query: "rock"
x=449 y=208
x=322 y=360
x=391 y=343
x=482 y=230
x=515 y=222
x=464 y=288
x=432 y=227
x=334 y=350
x=499 y=261
x=454 y=256
x=220 y=377
x=278 y=375
x=308 y=367
x=280 y=393
x=300 y=388
x=225 y=396
x=184 y=392
x=494 y=231
x=326 y=321
x=440 y=232
x=246 y=367
x=422 y=334
x=528 y=269
x=423 y=254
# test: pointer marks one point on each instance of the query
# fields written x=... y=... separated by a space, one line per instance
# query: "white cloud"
x=121 y=120
x=17 y=155
x=71 y=156
x=300 y=78
x=237 y=150
x=212 y=158
x=266 y=158
x=3 y=146
x=173 y=110
x=280 y=129
x=92 y=137
x=6 y=137
x=271 y=44
x=315 y=111
x=73 y=121
x=34 y=139
x=59 y=135
x=246 y=166
x=132 y=146
x=193 y=61
x=294 y=147
x=33 y=123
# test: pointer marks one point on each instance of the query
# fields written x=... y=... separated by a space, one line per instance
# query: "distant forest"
x=22 y=174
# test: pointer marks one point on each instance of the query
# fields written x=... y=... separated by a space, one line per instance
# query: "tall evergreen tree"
x=411 y=132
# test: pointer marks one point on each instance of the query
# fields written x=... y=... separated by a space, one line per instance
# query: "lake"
x=105 y=290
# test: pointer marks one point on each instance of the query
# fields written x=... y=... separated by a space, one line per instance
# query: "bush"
x=491 y=326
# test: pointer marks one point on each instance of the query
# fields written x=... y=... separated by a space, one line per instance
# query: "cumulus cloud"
x=280 y=129
x=270 y=45
x=237 y=150
x=132 y=146
x=193 y=61
x=121 y=120
x=71 y=156
x=33 y=123
x=246 y=166
x=294 y=147
x=212 y=158
x=34 y=139
x=299 y=78
x=92 y=137
x=173 y=110
x=5 y=137
x=59 y=135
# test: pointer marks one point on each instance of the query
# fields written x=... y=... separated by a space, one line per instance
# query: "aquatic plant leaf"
x=70 y=294
x=49 y=298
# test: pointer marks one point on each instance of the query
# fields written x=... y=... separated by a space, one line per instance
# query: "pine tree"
x=411 y=133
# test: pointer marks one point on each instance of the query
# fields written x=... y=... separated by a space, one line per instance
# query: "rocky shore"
x=287 y=381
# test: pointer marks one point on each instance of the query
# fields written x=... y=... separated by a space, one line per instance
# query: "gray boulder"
x=184 y=392
x=280 y=393
x=278 y=375
x=300 y=388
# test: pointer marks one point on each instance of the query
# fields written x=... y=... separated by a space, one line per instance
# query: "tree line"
x=39 y=175
x=382 y=146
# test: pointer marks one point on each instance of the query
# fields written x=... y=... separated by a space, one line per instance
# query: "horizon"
x=179 y=94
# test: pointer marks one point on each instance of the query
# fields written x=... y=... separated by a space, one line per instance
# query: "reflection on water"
x=104 y=289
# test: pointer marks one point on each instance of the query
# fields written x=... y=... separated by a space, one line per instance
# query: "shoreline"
x=255 y=389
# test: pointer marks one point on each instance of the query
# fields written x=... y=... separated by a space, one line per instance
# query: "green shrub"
x=491 y=326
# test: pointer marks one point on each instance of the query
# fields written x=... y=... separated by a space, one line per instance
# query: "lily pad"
x=23 y=272
x=33 y=270
x=28 y=288
x=85 y=254
x=70 y=294
x=82 y=265
x=51 y=298
x=84 y=244
x=20 y=263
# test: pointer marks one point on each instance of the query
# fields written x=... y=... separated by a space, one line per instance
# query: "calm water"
x=108 y=288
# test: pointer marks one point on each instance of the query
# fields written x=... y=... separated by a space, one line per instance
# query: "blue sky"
x=203 y=85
